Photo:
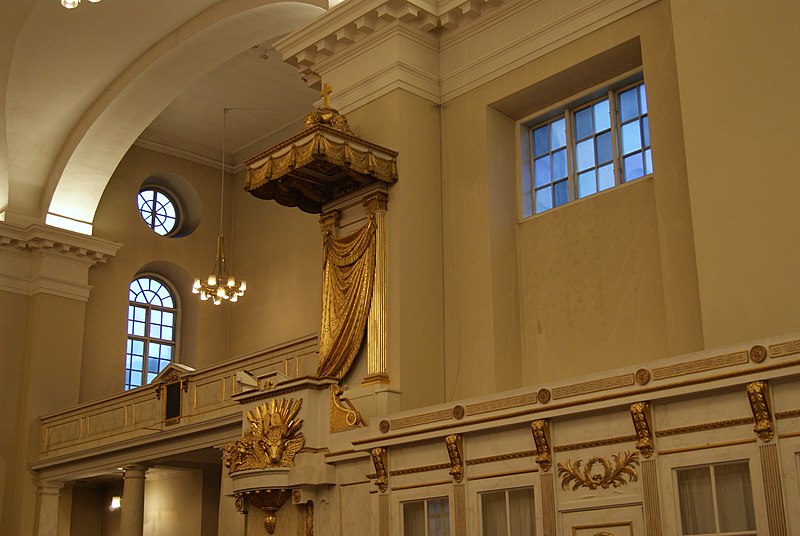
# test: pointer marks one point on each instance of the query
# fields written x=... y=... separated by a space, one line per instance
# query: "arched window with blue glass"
x=152 y=326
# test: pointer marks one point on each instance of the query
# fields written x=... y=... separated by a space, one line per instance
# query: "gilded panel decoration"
x=600 y=472
x=343 y=414
x=273 y=440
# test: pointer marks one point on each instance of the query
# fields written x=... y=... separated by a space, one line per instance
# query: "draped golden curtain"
x=347 y=278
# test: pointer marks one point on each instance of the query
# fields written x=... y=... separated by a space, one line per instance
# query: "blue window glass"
x=151 y=330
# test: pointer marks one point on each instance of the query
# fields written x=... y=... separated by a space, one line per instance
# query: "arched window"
x=152 y=320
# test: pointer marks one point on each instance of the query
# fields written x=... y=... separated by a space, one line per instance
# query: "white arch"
x=109 y=127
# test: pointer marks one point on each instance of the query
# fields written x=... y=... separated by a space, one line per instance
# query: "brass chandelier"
x=220 y=285
x=70 y=4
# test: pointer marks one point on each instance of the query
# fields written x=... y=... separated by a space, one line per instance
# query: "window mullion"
x=571 y=167
x=508 y=514
x=615 y=133
x=714 y=498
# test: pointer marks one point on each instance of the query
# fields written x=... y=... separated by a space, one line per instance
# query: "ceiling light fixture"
x=71 y=4
x=220 y=285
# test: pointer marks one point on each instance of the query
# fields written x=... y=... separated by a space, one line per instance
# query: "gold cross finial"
x=326 y=95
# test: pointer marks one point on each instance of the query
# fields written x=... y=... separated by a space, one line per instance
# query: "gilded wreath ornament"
x=273 y=440
x=619 y=471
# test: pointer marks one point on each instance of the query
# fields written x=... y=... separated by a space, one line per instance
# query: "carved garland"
x=273 y=440
x=619 y=472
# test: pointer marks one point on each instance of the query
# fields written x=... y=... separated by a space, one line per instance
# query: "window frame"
x=505 y=491
x=566 y=108
x=487 y=484
x=756 y=492
x=176 y=203
x=175 y=310
x=428 y=492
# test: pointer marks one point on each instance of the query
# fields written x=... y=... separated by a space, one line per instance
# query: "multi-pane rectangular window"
x=507 y=512
x=716 y=499
x=587 y=149
x=429 y=517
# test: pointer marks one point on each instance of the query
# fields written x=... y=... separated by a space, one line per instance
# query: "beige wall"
x=605 y=281
x=739 y=78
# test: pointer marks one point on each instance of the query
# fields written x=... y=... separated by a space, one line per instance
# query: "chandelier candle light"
x=70 y=4
x=220 y=285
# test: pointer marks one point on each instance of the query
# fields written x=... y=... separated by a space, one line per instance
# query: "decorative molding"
x=343 y=414
x=455 y=448
x=273 y=440
x=543 y=396
x=640 y=414
x=593 y=386
x=758 y=354
x=501 y=457
x=703 y=427
x=784 y=349
x=595 y=443
x=758 y=394
x=354 y=22
x=540 y=429
x=380 y=459
x=707 y=446
x=49 y=260
x=700 y=365
x=642 y=376
x=621 y=470
x=422 y=418
x=415 y=470
x=787 y=414
x=501 y=403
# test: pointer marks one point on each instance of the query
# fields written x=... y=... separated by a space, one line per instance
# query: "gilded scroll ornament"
x=758 y=393
x=620 y=471
x=541 y=437
x=273 y=440
x=640 y=414
x=380 y=459
x=269 y=501
x=343 y=414
x=455 y=450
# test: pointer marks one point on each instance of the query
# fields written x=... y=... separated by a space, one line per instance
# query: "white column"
x=132 y=523
x=47 y=524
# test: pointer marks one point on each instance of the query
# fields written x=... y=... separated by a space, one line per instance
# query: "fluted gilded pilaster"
x=376 y=205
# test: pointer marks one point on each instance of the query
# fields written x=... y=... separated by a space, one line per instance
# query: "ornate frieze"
x=640 y=414
x=758 y=394
x=541 y=437
x=700 y=365
x=455 y=448
x=600 y=472
x=273 y=440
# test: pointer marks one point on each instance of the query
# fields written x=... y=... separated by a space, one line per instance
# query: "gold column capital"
x=329 y=220
x=376 y=201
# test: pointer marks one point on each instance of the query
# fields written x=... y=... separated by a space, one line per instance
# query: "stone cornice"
x=351 y=22
x=59 y=241
x=43 y=259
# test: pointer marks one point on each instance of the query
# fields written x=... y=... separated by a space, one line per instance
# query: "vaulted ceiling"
x=80 y=86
